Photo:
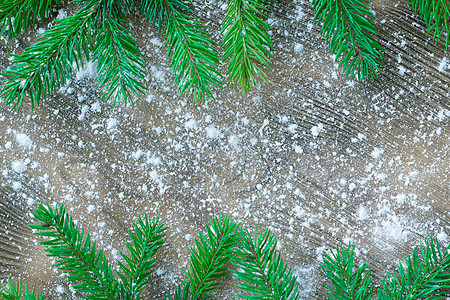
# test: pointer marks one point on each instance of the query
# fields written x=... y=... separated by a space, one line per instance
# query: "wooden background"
x=316 y=158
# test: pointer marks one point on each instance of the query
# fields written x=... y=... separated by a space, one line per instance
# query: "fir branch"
x=246 y=42
x=347 y=284
x=47 y=65
x=190 y=50
x=180 y=293
x=14 y=292
x=427 y=275
x=436 y=14
x=120 y=64
x=147 y=239
x=263 y=273
x=345 y=23
x=16 y=16
x=212 y=251
x=75 y=254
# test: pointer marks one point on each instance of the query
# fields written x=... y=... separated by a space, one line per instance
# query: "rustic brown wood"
x=311 y=199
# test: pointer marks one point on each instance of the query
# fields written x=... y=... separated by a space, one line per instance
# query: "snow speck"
x=111 y=124
x=136 y=155
x=298 y=149
x=300 y=13
x=84 y=110
x=376 y=153
x=292 y=127
x=61 y=14
x=60 y=289
x=233 y=140
x=8 y=145
x=191 y=124
x=299 y=212
x=315 y=130
x=400 y=198
x=156 y=42
x=351 y=186
x=442 y=236
x=88 y=71
x=298 y=48
x=401 y=70
x=96 y=107
x=212 y=132
x=90 y=208
x=23 y=140
x=17 y=185
x=442 y=65
x=19 y=166
x=362 y=213
x=30 y=201
x=326 y=84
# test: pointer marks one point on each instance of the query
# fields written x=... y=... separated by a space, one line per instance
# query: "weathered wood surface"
x=317 y=159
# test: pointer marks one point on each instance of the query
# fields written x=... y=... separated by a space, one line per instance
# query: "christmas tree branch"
x=14 y=292
x=347 y=284
x=436 y=15
x=246 y=42
x=427 y=275
x=190 y=50
x=262 y=271
x=146 y=240
x=75 y=254
x=16 y=16
x=345 y=23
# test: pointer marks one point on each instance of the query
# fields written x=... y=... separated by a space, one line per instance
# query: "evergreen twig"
x=347 y=283
x=427 y=275
x=76 y=255
x=246 y=42
x=345 y=23
x=146 y=240
x=17 y=15
x=14 y=292
x=262 y=271
x=436 y=14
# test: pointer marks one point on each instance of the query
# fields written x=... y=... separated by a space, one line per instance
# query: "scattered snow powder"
x=442 y=236
x=299 y=212
x=19 y=166
x=136 y=155
x=23 y=140
x=191 y=124
x=212 y=132
x=400 y=198
x=292 y=127
x=362 y=213
x=298 y=149
x=96 y=107
x=61 y=14
x=88 y=71
x=376 y=153
x=315 y=130
x=8 y=145
x=90 y=208
x=442 y=65
x=233 y=140
x=60 y=289
x=84 y=110
x=111 y=124
x=298 y=48
x=326 y=84
x=300 y=13
x=17 y=185
x=401 y=70
x=156 y=42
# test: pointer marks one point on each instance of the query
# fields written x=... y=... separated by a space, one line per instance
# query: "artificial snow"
x=24 y=140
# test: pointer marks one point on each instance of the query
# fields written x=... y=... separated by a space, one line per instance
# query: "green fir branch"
x=120 y=64
x=261 y=269
x=47 y=64
x=181 y=293
x=146 y=240
x=192 y=56
x=427 y=275
x=14 y=292
x=346 y=283
x=208 y=258
x=17 y=15
x=345 y=23
x=246 y=42
x=436 y=14
x=76 y=255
